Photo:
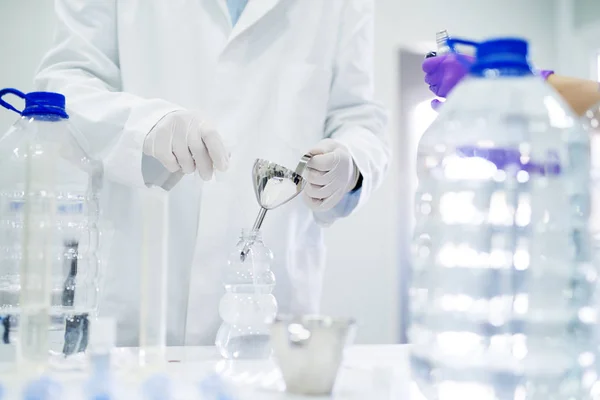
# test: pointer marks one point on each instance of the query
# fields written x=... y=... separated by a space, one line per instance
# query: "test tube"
x=153 y=277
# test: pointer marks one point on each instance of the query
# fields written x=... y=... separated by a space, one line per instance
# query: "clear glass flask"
x=248 y=306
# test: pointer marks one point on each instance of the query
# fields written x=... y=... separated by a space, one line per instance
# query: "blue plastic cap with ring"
x=508 y=56
x=157 y=387
x=36 y=103
x=43 y=388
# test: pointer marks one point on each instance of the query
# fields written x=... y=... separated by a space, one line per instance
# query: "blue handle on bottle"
x=14 y=92
x=462 y=59
x=37 y=103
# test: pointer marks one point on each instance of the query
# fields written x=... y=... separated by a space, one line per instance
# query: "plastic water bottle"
x=248 y=306
x=65 y=192
x=503 y=284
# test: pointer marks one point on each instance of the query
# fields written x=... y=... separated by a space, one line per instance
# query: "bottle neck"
x=501 y=72
x=441 y=39
x=251 y=235
x=501 y=65
x=45 y=117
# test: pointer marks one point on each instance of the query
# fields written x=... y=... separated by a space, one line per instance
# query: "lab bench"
x=370 y=372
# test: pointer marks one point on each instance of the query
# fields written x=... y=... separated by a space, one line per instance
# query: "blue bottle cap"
x=214 y=387
x=99 y=388
x=508 y=56
x=157 y=387
x=43 y=388
x=502 y=53
x=37 y=103
x=42 y=103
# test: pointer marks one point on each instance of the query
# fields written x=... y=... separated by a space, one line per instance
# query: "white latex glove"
x=181 y=141
x=331 y=174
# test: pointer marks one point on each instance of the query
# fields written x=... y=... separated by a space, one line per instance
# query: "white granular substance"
x=277 y=191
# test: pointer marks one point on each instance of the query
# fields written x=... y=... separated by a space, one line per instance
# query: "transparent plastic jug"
x=248 y=306
x=69 y=186
x=502 y=292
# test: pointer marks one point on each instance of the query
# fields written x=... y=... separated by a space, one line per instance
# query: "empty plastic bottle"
x=248 y=306
x=66 y=194
x=502 y=290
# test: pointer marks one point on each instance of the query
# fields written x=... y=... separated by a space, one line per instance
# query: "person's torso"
x=272 y=71
x=265 y=85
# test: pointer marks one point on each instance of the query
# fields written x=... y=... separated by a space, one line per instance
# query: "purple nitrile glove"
x=545 y=74
x=443 y=73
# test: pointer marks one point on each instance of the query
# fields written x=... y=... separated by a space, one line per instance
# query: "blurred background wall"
x=369 y=281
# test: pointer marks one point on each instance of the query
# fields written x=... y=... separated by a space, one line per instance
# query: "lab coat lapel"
x=222 y=4
x=254 y=11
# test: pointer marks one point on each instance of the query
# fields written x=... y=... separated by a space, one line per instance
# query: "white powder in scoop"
x=277 y=191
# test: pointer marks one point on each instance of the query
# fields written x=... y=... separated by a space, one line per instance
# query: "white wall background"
x=361 y=281
x=578 y=37
x=26 y=29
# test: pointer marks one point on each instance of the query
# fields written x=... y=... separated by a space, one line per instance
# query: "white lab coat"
x=290 y=73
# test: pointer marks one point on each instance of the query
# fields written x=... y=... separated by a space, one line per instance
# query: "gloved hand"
x=545 y=73
x=443 y=73
x=332 y=173
x=181 y=141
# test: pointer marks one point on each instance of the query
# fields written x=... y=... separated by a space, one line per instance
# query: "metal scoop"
x=274 y=185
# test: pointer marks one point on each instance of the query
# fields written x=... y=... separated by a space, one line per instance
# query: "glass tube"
x=36 y=263
x=153 y=278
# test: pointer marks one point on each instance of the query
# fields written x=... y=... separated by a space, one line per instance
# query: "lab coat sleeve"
x=354 y=118
x=83 y=65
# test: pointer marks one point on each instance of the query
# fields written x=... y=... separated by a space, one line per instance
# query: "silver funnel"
x=274 y=185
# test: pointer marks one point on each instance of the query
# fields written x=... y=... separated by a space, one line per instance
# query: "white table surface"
x=368 y=373
x=377 y=372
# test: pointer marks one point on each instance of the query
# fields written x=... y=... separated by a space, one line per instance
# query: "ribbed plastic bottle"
x=502 y=292
x=67 y=191
x=248 y=306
